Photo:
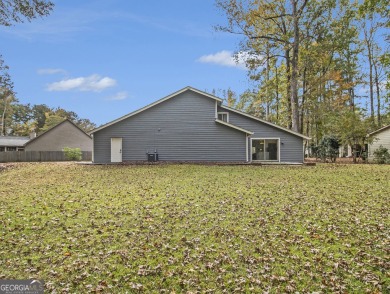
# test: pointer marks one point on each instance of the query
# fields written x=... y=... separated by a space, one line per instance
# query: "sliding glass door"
x=265 y=149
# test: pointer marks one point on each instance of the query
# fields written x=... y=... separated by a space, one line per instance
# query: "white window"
x=224 y=116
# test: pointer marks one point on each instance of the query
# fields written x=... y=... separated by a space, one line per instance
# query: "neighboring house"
x=345 y=151
x=12 y=143
x=348 y=150
x=380 y=137
x=191 y=125
x=65 y=134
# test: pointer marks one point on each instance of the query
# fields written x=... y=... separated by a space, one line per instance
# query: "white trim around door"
x=116 y=149
x=262 y=151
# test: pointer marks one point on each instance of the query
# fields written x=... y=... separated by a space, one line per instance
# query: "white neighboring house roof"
x=156 y=103
x=13 y=141
x=379 y=130
x=265 y=122
x=233 y=126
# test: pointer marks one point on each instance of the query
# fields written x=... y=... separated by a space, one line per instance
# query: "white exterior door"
x=116 y=149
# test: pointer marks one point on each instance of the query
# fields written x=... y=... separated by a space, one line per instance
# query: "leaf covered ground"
x=194 y=228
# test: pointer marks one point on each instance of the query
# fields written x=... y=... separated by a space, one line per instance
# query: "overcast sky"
x=104 y=59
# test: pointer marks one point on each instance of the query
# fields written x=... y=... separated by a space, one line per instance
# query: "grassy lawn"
x=191 y=228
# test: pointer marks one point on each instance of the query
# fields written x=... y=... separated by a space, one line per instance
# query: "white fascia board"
x=201 y=93
x=154 y=104
x=265 y=122
x=378 y=131
x=233 y=126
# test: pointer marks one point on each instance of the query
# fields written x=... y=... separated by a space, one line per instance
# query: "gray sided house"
x=65 y=134
x=191 y=125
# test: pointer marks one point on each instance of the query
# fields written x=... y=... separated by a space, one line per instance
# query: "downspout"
x=280 y=152
x=246 y=147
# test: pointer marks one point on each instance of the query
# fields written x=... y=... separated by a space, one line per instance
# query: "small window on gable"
x=224 y=116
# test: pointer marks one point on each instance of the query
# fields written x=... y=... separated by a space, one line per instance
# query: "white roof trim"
x=378 y=130
x=154 y=104
x=233 y=126
x=265 y=122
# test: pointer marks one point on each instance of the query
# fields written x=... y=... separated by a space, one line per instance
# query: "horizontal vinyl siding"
x=188 y=132
x=291 y=147
x=382 y=138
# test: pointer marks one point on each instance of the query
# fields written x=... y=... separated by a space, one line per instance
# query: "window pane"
x=223 y=117
x=265 y=149
x=272 y=149
x=258 y=150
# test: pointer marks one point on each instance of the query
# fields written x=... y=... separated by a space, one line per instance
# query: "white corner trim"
x=93 y=148
x=246 y=148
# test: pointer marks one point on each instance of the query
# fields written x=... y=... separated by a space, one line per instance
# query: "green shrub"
x=73 y=153
x=381 y=155
x=328 y=148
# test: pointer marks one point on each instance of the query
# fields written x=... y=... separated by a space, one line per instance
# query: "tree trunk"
x=378 y=96
x=371 y=82
x=302 y=116
x=354 y=153
x=288 y=88
x=369 y=43
x=277 y=94
x=294 y=70
x=267 y=99
x=351 y=90
x=3 y=118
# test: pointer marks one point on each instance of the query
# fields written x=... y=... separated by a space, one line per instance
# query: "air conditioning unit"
x=152 y=157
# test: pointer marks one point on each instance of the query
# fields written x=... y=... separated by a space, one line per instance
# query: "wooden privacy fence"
x=36 y=156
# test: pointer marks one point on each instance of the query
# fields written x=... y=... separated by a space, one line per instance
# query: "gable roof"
x=219 y=100
x=13 y=141
x=379 y=130
x=265 y=122
x=156 y=103
x=53 y=128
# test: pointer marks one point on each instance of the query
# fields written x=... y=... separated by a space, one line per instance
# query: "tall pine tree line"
x=321 y=66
